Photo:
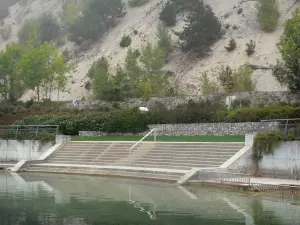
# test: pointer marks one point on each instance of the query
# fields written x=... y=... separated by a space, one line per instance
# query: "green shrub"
x=268 y=14
x=250 y=47
x=266 y=142
x=43 y=137
x=231 y=45
x=119 y=121
x=257 y=114
x=125 y=121
x=203 y=29
x=136 y=3
x=49 y=28
x=168 y=14
x=97 y=17
x=125 y=42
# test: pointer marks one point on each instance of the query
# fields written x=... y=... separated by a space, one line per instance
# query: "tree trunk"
x=38 y=93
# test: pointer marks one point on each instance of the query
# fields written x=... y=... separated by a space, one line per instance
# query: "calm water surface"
x=38 y=199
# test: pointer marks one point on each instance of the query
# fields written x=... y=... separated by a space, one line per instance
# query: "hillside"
x=143 y=20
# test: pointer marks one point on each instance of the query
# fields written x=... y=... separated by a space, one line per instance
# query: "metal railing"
x=285 y=124
x=137 y=143
x=223 y=177
x=15 y=131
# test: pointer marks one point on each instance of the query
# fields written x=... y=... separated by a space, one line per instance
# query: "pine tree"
x=202 y=31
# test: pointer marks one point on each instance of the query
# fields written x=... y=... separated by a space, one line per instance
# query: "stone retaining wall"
x=256 y=99
x=200 y=129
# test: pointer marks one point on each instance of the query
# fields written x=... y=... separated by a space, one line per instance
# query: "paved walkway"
x=274 y=181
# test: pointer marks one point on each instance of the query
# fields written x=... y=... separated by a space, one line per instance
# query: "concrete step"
x=124 y=173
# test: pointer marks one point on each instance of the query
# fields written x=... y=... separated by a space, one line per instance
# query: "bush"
x=250 y=47
x=136 y=3
x=268 y=14
x=240 y=11
x=203 y=29
x=266 y=142
x=49 y=28
x=97 y=18
x=126 y=41
x=168 y=14
x=119 y=121
x=43 y=137
x=257 y=114
x=231 y=45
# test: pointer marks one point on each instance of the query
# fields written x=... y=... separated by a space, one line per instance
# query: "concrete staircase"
x=156 y=160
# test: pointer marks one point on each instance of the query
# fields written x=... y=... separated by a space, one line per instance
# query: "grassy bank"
x=165 y=138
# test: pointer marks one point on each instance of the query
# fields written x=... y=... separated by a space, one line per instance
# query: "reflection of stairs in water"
x=157 y=160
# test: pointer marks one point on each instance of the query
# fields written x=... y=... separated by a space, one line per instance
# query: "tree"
x=43 y=67
x=207 y=86
x=203 y=29
x=287 y=70
x=226 y=79
x=268 y=14
x=96 y=19
x=165 y=42
x=168 y=14
x=242 y=79
x=48 y=28
x=11 y=86
x=29 y=34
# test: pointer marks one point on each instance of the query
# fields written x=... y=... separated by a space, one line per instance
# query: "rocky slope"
x=145 y=19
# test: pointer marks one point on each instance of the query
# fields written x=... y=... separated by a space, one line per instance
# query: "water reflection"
x=31 y=199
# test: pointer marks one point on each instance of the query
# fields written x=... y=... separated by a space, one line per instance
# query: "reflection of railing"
x=15 y=132
x=223 y=177
x=283 y=189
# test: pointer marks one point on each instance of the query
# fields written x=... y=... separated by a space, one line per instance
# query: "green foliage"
x=240 y=11
x=97 y=17
x=49 y=28
x=231 y=45
x=126 y=41
x=287 y=70
x=43 y=67
x=268 y=14
x=266 y=142
x=240 y=103
x=104 y=85
x=168 y=14
x=207 y=86
x=29 y=33
x=138 y=79
x=11 y=87
x=203 y=29
x=257 y=114
x=136 y=3
x=242 y=79
x=118 y=121
x=43 y=137
x=165 y=42
x=250 y=47
x=70 y=12
x=226 y=79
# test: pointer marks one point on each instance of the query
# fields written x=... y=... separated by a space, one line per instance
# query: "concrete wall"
x=13 y=150
x=199 y=129
x=285 y=162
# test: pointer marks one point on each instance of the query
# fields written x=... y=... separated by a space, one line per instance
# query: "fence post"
x=37 y=130
x=17 y=132
x=155 y=135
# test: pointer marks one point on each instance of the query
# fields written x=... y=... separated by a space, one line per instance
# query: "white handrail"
x=132 y=147
x=136 y=144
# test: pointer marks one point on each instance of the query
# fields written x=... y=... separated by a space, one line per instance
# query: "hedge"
x=133 y=121
x=121 y=121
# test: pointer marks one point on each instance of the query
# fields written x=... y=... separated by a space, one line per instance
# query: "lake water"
x=38 y=199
